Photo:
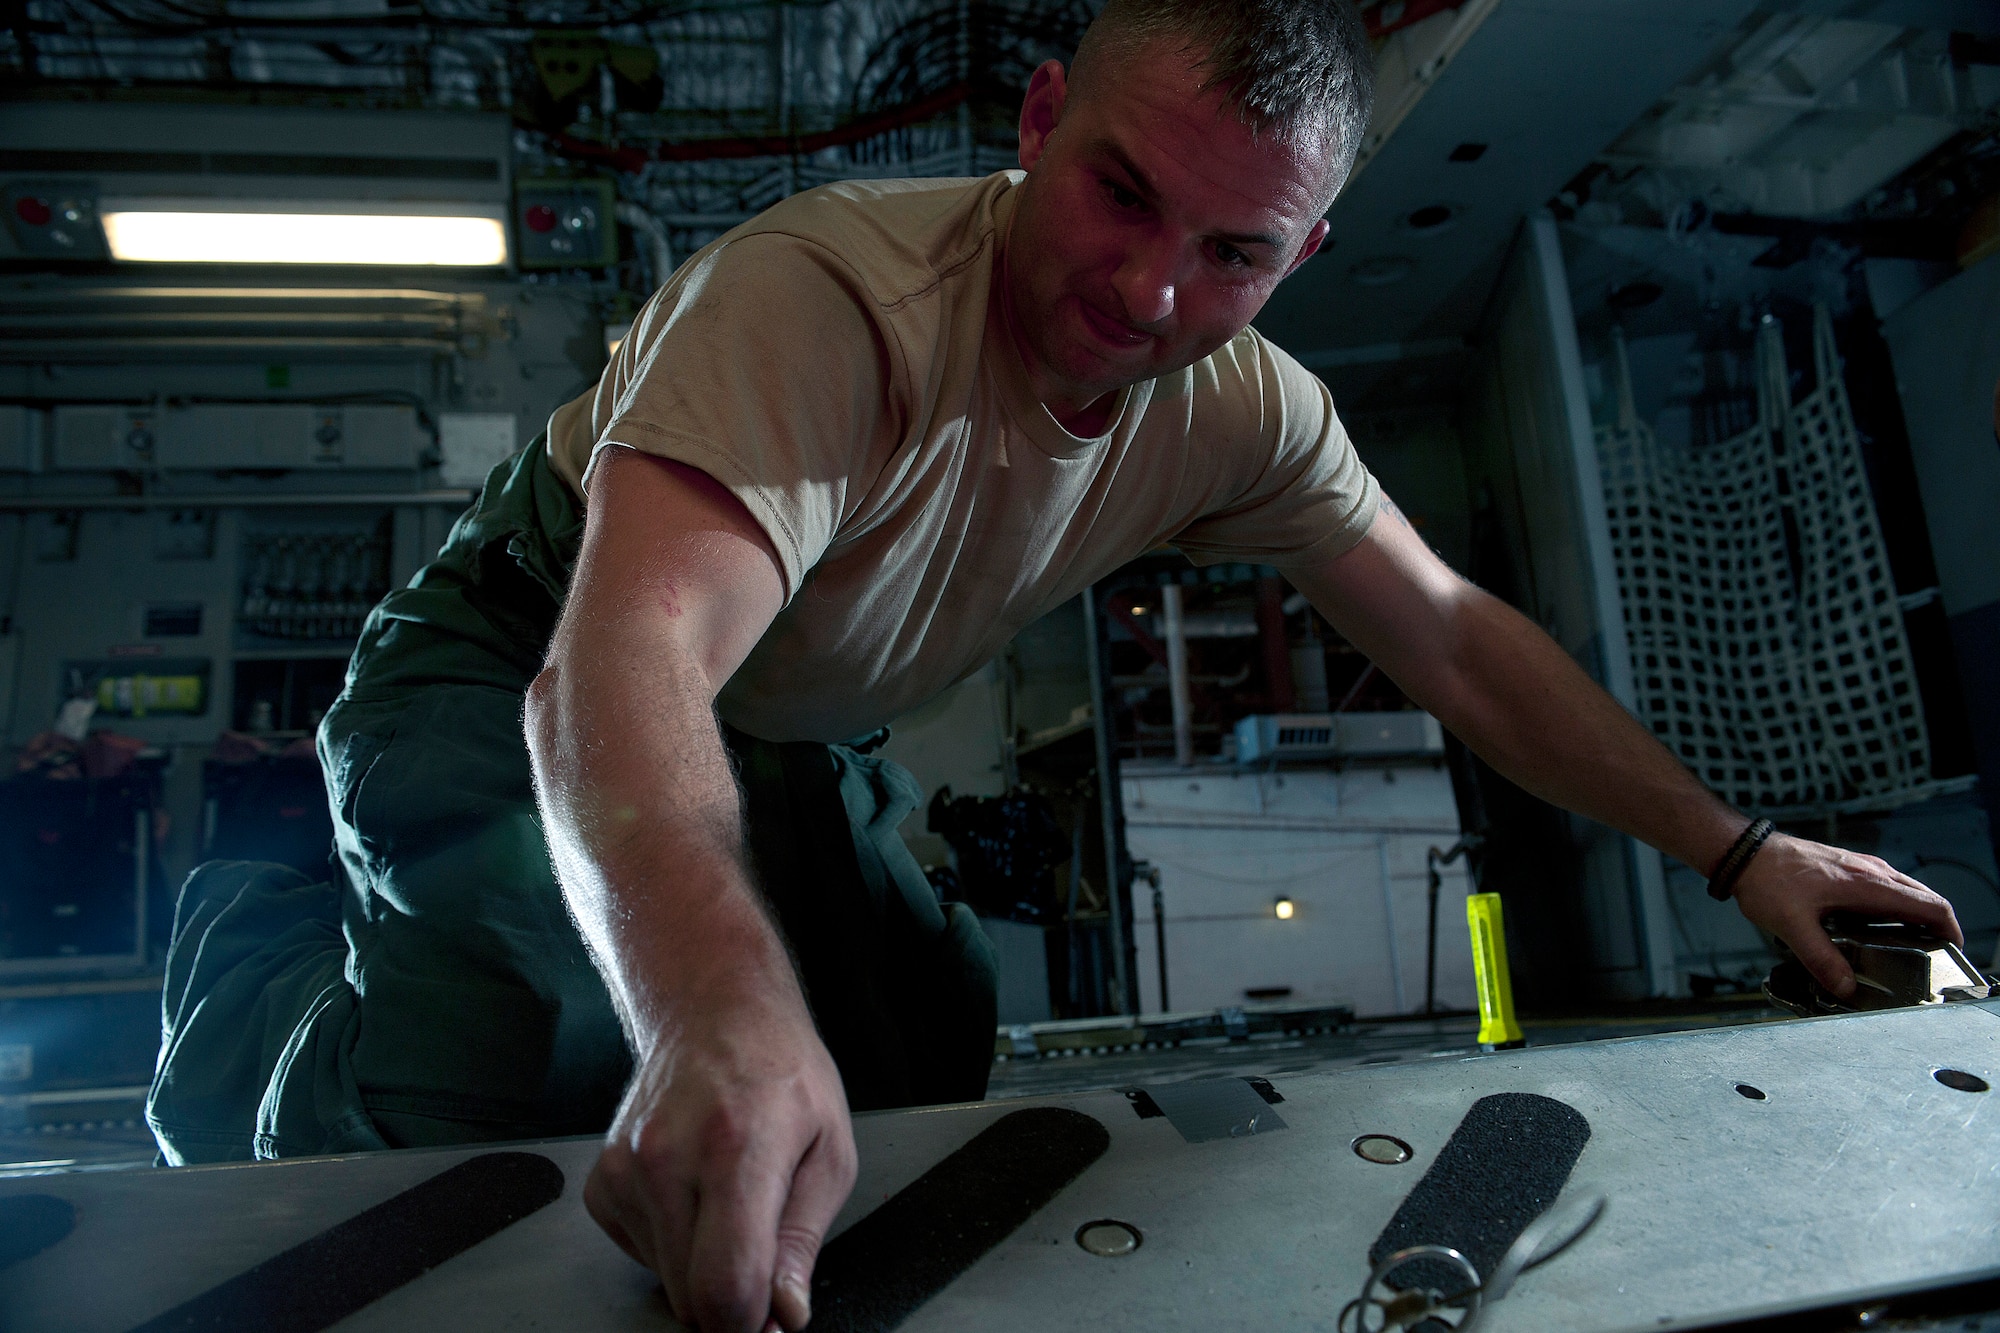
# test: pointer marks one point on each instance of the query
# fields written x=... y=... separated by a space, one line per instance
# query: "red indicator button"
x=36 y=212
x=539 y=217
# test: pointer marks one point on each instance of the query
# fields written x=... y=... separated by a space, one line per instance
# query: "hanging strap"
x=1826 y=355
x=1621 y=370
x=1774 y=383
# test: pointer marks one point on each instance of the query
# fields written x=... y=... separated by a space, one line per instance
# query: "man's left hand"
x=1791 y=883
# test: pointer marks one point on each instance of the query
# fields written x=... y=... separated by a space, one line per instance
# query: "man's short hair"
x=1300 y=68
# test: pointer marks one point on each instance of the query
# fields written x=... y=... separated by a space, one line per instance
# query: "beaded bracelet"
x=1729 y=869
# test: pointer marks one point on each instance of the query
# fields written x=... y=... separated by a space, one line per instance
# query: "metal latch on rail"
x=1896 y=966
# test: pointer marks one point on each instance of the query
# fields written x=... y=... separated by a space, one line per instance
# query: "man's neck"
x=1085 y=418
x=1088 y=422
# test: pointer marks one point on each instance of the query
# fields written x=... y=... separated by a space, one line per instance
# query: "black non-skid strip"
x=874 y=1275
x=1500 y=1170
x=321 y=1281
x=30 y=1223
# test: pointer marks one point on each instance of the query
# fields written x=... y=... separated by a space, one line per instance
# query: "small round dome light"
x=1431 y=217
x=1284 y=908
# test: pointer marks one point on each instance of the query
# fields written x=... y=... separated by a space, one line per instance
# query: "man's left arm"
x=1517 y=699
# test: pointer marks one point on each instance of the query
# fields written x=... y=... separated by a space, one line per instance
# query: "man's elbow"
x=1481 y=639
x=541 y=714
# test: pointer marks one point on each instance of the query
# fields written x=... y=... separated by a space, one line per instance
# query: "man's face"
x=1152 y=228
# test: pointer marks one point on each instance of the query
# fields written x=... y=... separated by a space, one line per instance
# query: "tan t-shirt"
x=838 y=364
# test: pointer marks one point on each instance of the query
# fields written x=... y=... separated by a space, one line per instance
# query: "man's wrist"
x=745 y=956
x=1706 y=837
x=1723 y=877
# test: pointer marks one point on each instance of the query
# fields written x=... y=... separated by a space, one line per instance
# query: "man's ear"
x=1314 y=240
x=1041 y=111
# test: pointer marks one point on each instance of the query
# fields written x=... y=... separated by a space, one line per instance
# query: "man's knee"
x=461 y=1030
x=257 y=950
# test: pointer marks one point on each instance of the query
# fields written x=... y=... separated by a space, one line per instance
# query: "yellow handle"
x=1489 y=965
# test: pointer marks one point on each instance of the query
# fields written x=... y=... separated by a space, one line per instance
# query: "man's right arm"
x=732 y=1149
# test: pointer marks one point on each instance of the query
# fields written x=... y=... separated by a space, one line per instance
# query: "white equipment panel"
x=1346 y=849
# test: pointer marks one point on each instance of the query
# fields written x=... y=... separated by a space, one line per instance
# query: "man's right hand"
x=731 y=1154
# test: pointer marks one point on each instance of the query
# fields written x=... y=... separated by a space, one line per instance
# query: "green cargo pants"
x=437 y=990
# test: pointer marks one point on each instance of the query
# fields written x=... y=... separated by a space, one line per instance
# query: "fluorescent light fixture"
x=329 y=232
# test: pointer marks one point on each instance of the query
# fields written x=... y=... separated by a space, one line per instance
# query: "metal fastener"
x=1383 y=1149
x=1108 y=1238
